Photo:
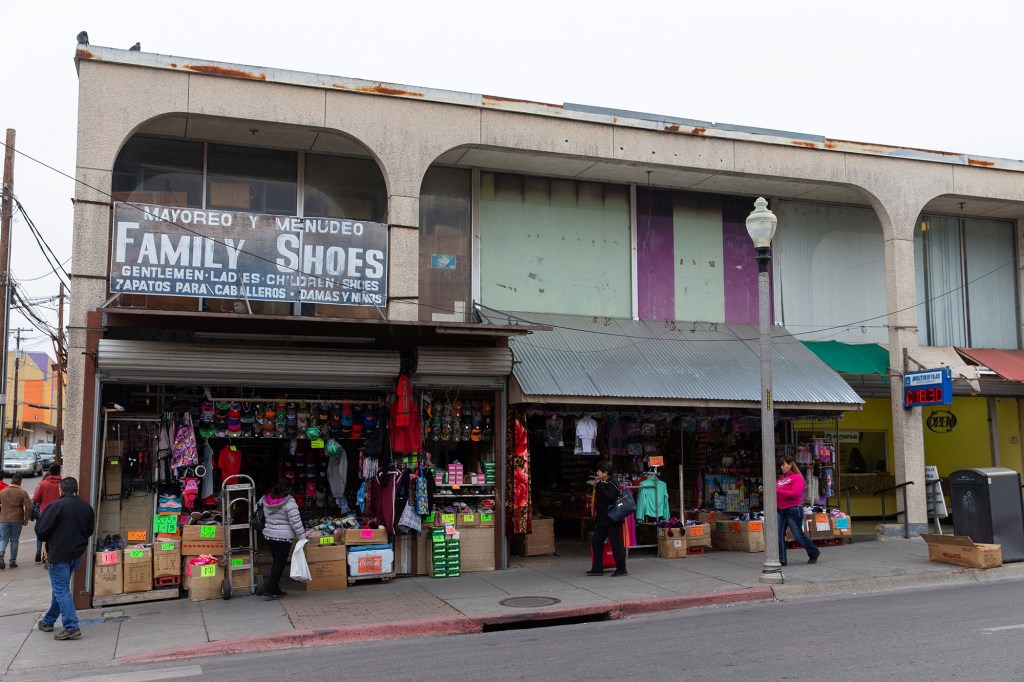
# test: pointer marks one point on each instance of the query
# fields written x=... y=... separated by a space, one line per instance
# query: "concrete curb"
x=910 y=581
x=299 y=639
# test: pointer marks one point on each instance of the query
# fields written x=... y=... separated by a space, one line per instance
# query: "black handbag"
x=258 y=520
x=623 y=506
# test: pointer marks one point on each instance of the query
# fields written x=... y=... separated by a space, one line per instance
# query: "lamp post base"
x=771 y=573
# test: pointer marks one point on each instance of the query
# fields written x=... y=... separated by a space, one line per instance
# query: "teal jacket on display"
x=652 y=501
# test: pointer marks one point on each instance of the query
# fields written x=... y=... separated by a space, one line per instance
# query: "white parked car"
x=24 y=462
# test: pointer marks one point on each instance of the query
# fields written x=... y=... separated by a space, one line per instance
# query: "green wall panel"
x=554 y=246
x=699 y=277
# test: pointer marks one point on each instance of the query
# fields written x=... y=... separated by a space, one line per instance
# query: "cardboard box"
x=467 y=520
x=327 y=575
x=315 y=553
x=138 y=569
x=960 y=550
x=202 y=588
x=487 y=519
x=842 y=526
x=540 y=542
x=673 y=547
x=698 y=535
x=819 y=526
x=366 y=536
x=196 y=540
x=166 y=558
x=738 y=536
x=108 y=574
x=475 y=548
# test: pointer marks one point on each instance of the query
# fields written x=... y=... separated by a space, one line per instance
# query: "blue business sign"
x=931 y=387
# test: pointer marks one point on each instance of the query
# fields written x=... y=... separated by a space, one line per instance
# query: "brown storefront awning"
x=1008 y=364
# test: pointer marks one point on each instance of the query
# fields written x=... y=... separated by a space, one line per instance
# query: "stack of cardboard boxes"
x=326 y=557
x=738 y=536
x=671 y=543
x=445 y=553
x=108 y=574
x=202 y=582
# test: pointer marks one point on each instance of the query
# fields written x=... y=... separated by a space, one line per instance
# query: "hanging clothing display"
x=517 y=492
x=229 y=461
x=586 y=434
x=553 y=432
x=183 y=453
x=406 y=432
x=652 y=499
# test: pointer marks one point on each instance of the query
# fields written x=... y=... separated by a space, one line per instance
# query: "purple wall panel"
x=740 y=264
x=656 y=255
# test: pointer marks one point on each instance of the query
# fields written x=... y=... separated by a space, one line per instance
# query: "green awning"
x=851 y=358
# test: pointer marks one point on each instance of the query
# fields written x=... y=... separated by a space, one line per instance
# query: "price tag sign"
x=135 y=553
x=821 y=522
x=657 y=460
x=695 y=531
x=468 y=518
x=136 y=536
x=166 y=546
x=327 y=540
x=209 y=571
x=108 y=558
x=366 y=534
x=456 y=486
x=208 y=531
x=756 y=526
x=317 y=444
x=240 y=561
x=448 y=519
x=486 y=518
x=165 y=523
x=429 y=518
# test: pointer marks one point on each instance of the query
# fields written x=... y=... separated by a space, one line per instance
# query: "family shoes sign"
x=168 y=251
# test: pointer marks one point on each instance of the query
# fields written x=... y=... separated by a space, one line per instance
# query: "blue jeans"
x=793 y=518
x=61 y=603
x=10 y=533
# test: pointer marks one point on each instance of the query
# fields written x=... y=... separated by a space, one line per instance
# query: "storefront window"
x=155 y=171
x=965 y=270
x=445 y=230
x=343 y=187
x=250 y=179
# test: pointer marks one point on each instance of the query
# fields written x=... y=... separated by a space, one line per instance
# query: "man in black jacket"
x=65 y=527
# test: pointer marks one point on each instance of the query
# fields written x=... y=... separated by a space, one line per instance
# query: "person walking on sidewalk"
x=605 y=494
x=15 y=510
x=47 y=491
x=65 y=527
x=284 y=524
x=789 y=495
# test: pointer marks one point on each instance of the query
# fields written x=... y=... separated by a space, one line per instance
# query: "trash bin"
x=987 y=508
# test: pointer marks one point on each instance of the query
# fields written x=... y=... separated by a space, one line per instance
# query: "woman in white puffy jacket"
x=283 y=524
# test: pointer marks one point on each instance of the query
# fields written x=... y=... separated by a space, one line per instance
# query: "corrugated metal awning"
x=1008 y=364
x=935 y=357
x=175 y=363
x=588 y=359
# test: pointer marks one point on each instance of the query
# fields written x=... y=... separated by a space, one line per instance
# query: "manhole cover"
x=529 y=602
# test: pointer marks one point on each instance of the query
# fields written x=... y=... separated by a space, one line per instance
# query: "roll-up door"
x=176 y=363
x=462 y=366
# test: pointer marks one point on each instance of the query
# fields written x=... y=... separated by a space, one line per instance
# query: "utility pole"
x=5 y=263
x=61 y=367
x=16 y=416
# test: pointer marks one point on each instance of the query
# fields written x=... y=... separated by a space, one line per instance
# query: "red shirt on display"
x=229 y=461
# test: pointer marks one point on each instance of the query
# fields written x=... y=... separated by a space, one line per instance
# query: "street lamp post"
x=761 y=226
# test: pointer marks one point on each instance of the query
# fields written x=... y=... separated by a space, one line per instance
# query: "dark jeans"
x=613 y=534
x=61 y=602
x=279 y=553
x=793 y=518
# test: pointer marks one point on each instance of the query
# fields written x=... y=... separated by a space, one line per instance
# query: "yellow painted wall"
x=966 y=446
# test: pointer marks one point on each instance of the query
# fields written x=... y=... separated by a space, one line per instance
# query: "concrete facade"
x=406 y=130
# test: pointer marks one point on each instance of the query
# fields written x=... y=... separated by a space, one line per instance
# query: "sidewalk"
x=425 y=606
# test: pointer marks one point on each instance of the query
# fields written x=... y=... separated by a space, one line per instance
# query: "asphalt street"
x=970 y=632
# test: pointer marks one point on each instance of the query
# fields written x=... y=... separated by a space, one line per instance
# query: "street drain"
x=529 y=602
x=512 y=623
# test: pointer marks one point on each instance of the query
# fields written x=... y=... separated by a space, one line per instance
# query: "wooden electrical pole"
x=16 y=413
x=61 y=368
x=5 y=261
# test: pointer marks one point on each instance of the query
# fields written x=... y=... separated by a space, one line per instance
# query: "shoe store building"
x=279 y=264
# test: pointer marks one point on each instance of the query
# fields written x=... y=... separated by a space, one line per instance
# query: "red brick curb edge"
x=299 y=639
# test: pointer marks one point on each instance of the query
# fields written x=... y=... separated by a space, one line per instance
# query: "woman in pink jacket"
x=789 y=496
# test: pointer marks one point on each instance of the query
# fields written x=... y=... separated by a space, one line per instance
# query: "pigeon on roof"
x=137 y=47
x=83 y=38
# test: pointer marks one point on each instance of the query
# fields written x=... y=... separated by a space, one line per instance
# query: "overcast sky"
x=928 y=74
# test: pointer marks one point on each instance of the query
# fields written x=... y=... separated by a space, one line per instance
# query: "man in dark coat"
x=65 y=527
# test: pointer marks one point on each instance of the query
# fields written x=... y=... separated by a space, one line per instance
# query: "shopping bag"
x=300 y=569
x=410 y=521
x=607 y=558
